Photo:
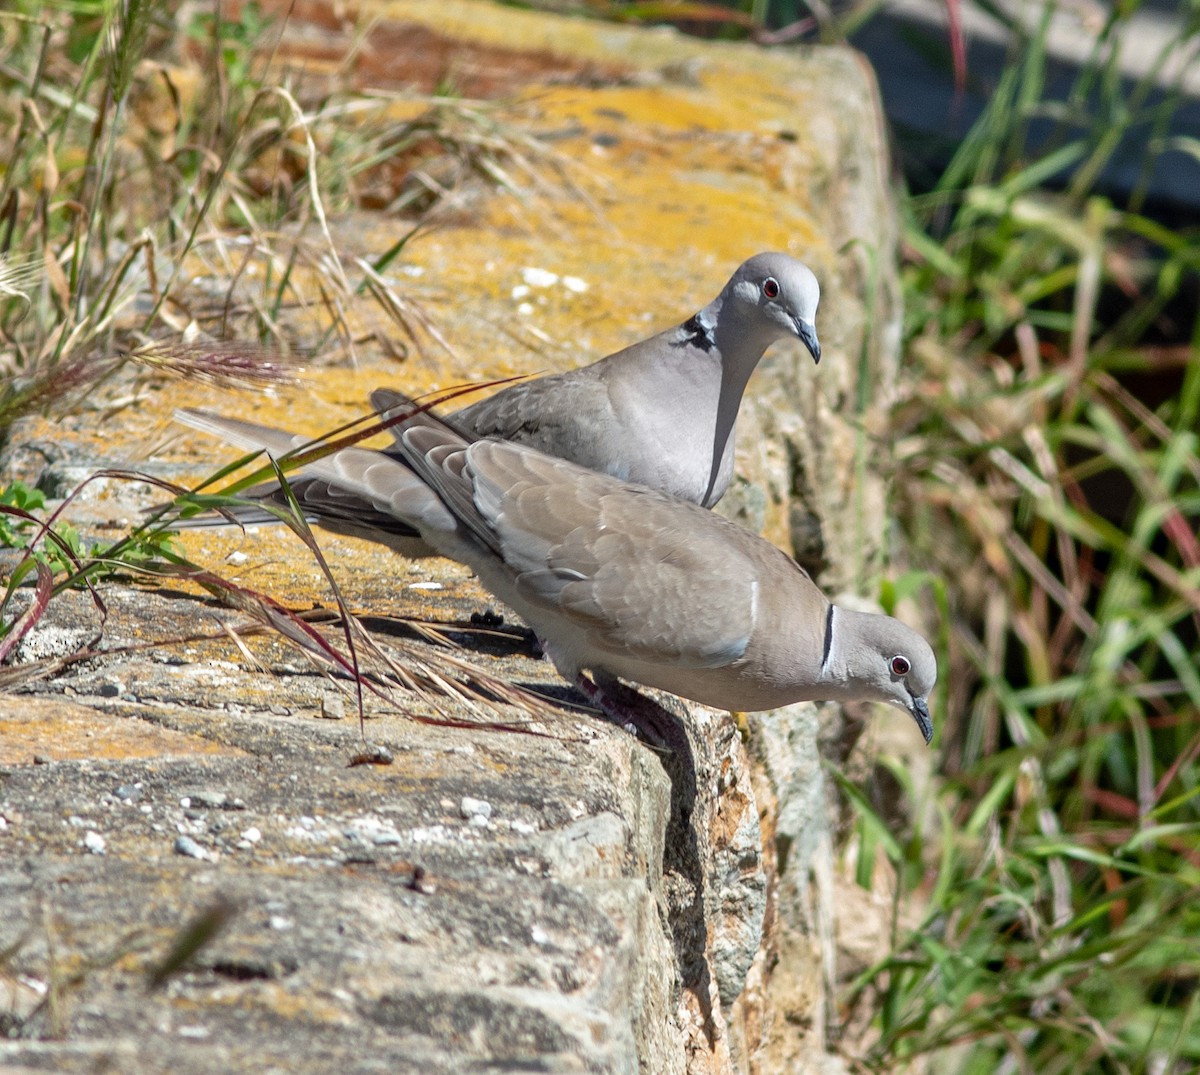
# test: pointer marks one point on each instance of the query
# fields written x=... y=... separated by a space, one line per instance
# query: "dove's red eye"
x=771 y=287
x=900 y=665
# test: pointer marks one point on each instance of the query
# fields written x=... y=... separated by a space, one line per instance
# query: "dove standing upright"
x=662 y=412
x=627 y=582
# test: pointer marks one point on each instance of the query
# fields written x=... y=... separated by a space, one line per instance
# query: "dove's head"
x=778 y=295
x=879 y=659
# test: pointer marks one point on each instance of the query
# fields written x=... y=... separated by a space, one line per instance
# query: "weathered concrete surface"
x=605 y=910
x=488 y=899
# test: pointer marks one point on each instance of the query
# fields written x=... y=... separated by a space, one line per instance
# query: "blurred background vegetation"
x=1047 y=466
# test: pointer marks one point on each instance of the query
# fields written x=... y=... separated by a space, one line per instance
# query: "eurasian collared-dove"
x=661 y=412
x=624 y=581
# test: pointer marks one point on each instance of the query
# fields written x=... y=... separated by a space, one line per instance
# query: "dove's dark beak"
x=920 y=712
x=807 y=332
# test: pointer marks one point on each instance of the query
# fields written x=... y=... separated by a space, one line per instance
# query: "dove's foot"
x=634 y=712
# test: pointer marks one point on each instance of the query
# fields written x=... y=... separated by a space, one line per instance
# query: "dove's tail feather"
x=245 y=516
x=355 y=491
x=248 y=435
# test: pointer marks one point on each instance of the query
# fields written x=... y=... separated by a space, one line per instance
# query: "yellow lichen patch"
x=272 y=560
x=280 y=999
x=62 y=731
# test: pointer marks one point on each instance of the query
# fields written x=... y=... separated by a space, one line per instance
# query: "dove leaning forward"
x=661 y=413
x=628 y=583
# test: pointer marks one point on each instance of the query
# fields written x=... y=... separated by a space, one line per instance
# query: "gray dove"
x=622 y=580
x=661 y=412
